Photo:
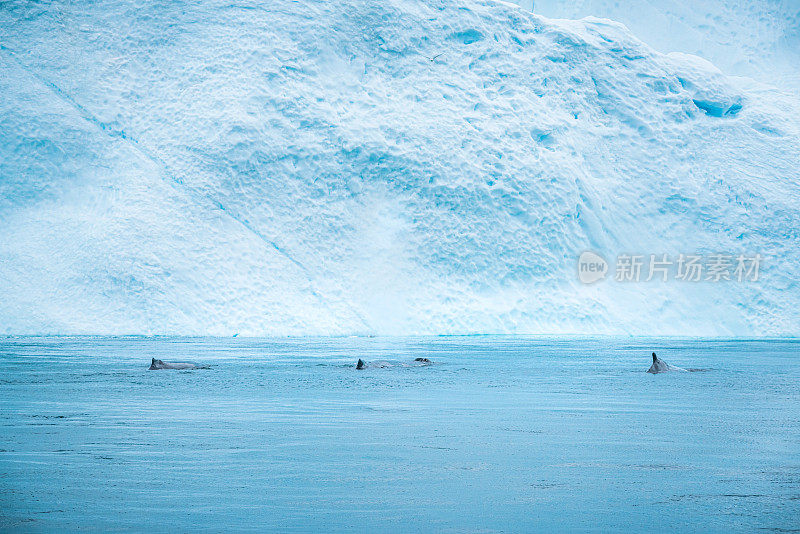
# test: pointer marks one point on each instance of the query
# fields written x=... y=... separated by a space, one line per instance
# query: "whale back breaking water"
x=660 y=366
x=161 y=364
x=384 y=364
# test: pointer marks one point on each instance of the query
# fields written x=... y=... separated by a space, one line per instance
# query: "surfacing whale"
x=380 y=364
x=160 y=364
x=660 y=366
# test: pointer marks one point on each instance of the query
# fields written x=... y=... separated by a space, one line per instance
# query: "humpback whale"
x=159 y=364
x=660 y=366
x=380 y=364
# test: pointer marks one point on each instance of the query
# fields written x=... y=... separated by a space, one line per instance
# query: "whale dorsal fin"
x=360 y=364
x=655 y=358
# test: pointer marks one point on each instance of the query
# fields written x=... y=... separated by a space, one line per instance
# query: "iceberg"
x=758 y=38
x=415 y=167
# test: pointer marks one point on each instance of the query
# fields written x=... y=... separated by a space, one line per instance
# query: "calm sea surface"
x=500 y=434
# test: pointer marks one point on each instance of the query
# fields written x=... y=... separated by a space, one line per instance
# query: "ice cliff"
x=377 y=166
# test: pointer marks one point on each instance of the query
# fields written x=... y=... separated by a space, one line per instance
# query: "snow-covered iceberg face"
x=410 y=167
x=757 y=38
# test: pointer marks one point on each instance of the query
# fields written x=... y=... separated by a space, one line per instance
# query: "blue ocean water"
x=500 y=434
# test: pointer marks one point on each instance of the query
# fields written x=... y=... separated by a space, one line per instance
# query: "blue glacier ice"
x=758 y=38
x=374 y=167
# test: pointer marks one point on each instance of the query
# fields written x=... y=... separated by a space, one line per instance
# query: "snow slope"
x=392 y=167
x=755 y=38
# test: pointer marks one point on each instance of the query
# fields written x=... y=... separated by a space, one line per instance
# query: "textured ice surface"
x=377 y=166
x=756 y=38
x=501 y=435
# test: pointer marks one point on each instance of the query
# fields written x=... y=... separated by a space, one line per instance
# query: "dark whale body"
x=160 y=364
x=660 y=366
x=361 y=364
